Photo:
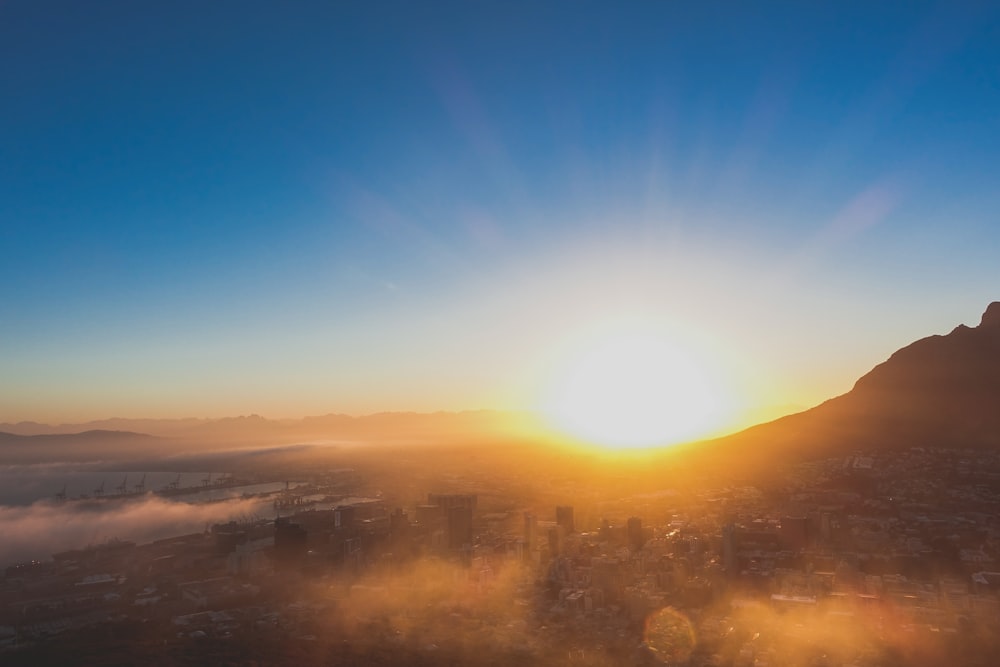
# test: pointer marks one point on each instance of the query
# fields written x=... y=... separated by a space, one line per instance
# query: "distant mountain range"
x=118 y=437
x=941 y=391
x=88 y=445
x=938 y=391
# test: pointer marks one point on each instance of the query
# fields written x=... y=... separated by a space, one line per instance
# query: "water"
x=26 y=484
x=34 y=524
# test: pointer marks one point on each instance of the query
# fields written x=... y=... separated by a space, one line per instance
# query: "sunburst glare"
x=636 y=387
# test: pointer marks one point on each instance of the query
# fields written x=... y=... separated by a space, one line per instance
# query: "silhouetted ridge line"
x=939 y=391
x=991 y=318
x=93 y=434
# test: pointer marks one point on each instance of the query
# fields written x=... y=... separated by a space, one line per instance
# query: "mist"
x=36 y=531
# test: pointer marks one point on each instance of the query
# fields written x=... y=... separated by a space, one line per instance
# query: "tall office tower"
x=564 y=518
x=634 y=531
x=530 y=529
x=729 y=549
x=459 y=527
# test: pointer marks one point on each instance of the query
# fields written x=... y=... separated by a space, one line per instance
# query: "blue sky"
x=227 y=207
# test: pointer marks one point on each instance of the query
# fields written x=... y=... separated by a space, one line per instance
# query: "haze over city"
x=493 y=333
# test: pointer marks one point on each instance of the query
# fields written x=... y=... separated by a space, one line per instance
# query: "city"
x=876 y=558
x=451 y=333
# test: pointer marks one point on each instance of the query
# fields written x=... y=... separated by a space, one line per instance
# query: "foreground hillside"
x=940 y=391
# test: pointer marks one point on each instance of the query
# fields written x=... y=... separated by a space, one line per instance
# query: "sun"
x=627 y=389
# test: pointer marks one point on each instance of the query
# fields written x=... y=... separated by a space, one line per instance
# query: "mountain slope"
x=940 y=391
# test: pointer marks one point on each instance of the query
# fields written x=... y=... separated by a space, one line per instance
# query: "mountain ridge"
x=117 y=423
x=938 y=391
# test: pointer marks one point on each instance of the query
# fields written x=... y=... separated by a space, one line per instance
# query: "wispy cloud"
x=37 y=531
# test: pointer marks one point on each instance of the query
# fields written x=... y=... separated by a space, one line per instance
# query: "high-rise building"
x=343 y=517
x=729 y=549
x=289 y=542
x=398 y=520
x=564 y=518
x=634 y=532
x=454 y=512
x=555 y=542
x=428 y=516
x=530 y=530
x=459 y=527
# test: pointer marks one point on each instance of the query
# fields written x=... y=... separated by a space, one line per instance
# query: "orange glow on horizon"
x=636 y=387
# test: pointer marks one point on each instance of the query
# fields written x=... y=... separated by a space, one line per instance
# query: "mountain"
x=941 y=391
x=254 y=430
x=85 y=446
